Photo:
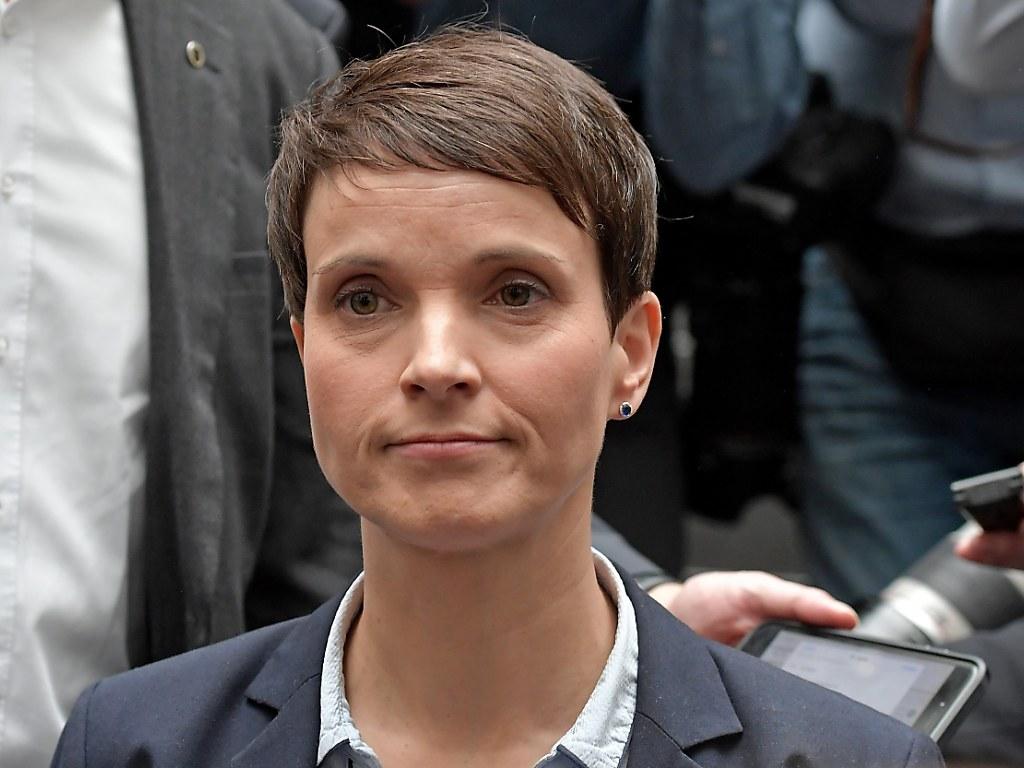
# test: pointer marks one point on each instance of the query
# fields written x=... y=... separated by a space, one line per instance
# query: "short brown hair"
x=477 y=99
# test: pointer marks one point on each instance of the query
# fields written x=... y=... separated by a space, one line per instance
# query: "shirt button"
x=7 y=186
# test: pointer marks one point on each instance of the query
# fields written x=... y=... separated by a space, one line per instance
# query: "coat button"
x=196 y=54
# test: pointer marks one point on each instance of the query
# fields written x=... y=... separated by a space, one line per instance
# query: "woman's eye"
x=516 y=294
x=519 y=293
x=363 y=302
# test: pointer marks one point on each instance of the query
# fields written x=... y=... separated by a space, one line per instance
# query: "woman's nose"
x=441 y=362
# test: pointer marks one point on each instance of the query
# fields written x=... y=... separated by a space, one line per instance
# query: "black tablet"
x=929 y=689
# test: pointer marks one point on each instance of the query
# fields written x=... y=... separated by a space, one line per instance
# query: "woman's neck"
x=478 y=659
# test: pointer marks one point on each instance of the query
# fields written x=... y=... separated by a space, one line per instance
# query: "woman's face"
x=458 y=359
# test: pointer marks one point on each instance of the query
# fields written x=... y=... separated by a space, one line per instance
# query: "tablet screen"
x=901 y=686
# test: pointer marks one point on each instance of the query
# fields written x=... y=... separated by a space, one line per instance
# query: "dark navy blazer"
x=255 y=701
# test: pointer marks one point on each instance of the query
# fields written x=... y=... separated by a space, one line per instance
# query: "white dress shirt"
x=597 y=739
x=981 y=43
x=74 y=348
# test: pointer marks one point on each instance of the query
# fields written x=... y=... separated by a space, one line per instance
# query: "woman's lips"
x=443 y=446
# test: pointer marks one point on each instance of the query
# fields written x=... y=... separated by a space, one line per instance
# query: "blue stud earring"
x=625 y=410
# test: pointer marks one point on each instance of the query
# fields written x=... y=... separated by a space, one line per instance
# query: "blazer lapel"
x=289 y=687
x=291 y=738
x=188 y=126
x=681 y=699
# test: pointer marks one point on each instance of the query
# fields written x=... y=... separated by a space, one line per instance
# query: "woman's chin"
x=454 y=532
x=467 y=515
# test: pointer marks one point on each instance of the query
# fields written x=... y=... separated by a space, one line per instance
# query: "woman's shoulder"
x=202 y=707
x=725 y=706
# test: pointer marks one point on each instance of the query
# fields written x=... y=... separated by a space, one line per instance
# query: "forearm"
x=724 y=606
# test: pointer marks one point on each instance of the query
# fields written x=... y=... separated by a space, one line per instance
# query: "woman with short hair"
x=465 y=228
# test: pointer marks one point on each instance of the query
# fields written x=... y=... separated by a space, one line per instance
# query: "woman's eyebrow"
x=517 y=253
x=511 y=253
x=351 y=260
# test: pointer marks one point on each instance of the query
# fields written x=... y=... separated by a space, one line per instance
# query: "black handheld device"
x=994 y=500
x=929 y=689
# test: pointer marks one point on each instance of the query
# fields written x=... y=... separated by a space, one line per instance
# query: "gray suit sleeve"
x=609 y=542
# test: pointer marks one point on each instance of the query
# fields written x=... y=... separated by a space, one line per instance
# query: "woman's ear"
x=298 y=333
x=636 y=341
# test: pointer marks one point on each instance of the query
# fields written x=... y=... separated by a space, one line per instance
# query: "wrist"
x=666 y=592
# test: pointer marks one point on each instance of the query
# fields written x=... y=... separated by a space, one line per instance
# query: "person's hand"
x=725 y=606
x=994 y=548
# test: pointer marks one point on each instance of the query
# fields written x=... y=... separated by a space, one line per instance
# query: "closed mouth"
x=442 y=446
x=455 y=437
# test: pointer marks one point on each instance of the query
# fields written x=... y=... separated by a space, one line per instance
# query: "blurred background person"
x=911 y=312
x=156 y=472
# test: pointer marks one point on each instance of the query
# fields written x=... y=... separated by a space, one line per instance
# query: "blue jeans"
x=880 y=452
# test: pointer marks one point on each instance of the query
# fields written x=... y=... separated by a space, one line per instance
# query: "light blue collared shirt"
x=725 y=81
x=723 y=84
x=597 y=739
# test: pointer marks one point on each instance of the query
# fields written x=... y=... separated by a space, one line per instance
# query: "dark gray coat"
x=240 y=527
x=254 y=701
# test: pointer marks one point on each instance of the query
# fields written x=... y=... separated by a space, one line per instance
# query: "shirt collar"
x=597 y=739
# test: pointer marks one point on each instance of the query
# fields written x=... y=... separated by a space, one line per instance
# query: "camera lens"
x=944 y=598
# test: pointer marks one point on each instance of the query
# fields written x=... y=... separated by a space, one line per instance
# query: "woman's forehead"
x=413 y=185
x=369 y=208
